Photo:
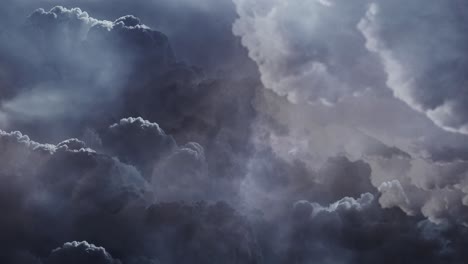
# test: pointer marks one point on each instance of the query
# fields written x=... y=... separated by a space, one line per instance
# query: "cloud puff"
x=137 y=141
x=80 y=252
x=275 y=183
x=393 y=195
x=435 y=190
x=78 y=21
x=304 y=51
x=342 y=205
x=176 y=172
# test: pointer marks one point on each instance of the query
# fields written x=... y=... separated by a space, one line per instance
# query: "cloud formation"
x=423 y=51
x=155 y=159
x=91 y=196
x=314 y=51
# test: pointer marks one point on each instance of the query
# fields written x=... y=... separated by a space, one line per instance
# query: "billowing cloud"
x=275 y=183
x=334 y=60
x=156 y=160
x=309 y=51
x=44 y=181
x=435 y=190
x=423 y=50
x=322 y=51
x=74 y=67
x=94 y=197
x=357 y=230
x=138 y=142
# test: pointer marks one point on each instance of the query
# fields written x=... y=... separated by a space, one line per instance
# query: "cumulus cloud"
x=86 y=171
x=50 y=185
x=422 y=187
x=80 y=252
x=305 y=51
x=90 y=196
x=75 y=86
x=309 y=51
x=316 y=51
x=423 y=52
x=119 y=69
x=275 y=183
x=138 y=142
x=344 y=204
x=79 y=21
x=74 y=67
x=176 y=172
x=357 y=231
x=393 y=195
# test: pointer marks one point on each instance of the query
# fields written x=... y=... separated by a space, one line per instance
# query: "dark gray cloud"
x=166 y=148
x=217 y=229
x=74 y=67
x=358 y=231
x=275 y=183
x=48 y=185
x=176 y=172
x=138 y=142
x=90 y=196
x=87 y=73
x=191 y=25
x=183 y=175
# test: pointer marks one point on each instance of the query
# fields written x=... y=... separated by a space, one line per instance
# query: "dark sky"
x=233 y=131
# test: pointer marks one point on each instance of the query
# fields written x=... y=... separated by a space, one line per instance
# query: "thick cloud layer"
x=87 y=73
x=73 y=189
x=76 y=66
x=167 y=148
x=92 y=197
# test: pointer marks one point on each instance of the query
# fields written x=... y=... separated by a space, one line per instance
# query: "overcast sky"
x=233 y=131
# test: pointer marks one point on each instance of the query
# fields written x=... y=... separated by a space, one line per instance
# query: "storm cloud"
x=160 y=132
